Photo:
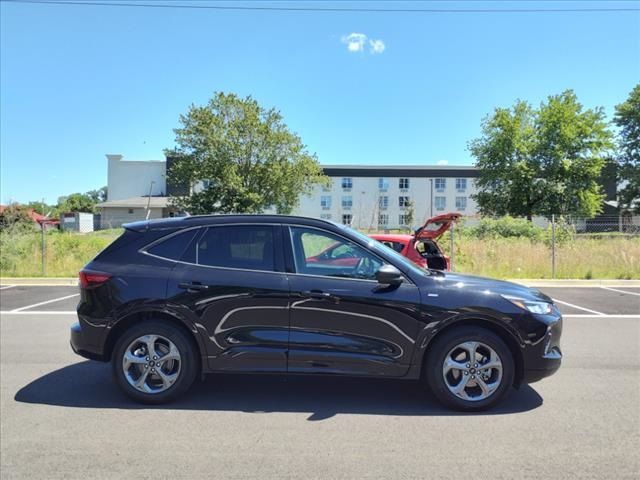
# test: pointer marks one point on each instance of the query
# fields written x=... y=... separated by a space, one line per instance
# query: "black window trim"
x=277 y=237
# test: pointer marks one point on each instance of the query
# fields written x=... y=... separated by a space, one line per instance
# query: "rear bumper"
x=81 y=345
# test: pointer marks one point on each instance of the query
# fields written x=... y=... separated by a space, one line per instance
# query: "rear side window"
x=237 y=246
x=173 y=246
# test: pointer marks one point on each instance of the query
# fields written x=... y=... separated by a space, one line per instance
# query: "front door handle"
x=316 y=294
x=193 y=286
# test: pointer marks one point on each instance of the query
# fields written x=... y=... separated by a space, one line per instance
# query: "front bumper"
x=545 y=356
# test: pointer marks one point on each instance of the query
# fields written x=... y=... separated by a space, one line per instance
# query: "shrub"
x=505 y=227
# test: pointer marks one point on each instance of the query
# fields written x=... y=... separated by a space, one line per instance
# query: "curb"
x=40 y=281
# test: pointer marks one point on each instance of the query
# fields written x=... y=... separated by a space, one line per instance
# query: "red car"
x=421 y=247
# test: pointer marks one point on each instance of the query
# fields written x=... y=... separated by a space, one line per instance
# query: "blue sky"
x=78 y=82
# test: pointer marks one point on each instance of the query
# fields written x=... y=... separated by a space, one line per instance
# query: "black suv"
x=173 y=299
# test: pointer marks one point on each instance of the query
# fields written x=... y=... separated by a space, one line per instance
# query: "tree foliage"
x=248 y=156
x=77 y=202
x=627 y=118
x=542 y=161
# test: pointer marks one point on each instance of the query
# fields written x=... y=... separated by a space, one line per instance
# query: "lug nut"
x=472 y=376
x=476 y=365
x=155 y=358
x=148 y=359
x=466 y=373
x=468 y=364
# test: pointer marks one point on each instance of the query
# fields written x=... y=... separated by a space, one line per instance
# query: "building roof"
x=136 y=202
x=429 y=171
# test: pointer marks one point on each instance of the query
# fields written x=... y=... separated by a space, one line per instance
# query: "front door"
x=342 y=320
x=231 y=279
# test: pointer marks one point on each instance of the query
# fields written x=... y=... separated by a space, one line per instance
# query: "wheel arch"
x=133 y=318
x=495 y=327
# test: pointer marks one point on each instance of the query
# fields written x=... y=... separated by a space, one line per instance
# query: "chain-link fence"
x=606 y=246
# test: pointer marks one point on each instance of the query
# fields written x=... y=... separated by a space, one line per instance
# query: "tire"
x=172 y=376
x=484 y=388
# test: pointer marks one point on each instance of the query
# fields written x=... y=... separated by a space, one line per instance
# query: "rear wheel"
x=154 y=362
x=469 y=368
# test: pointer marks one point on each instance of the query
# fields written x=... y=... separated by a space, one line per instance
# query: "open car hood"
x=436 y=226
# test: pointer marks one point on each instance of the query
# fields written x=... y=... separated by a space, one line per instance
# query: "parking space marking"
x=578 y=308
x=44 y=303
x=38 y=312
x=621 y=291
x=4 y=287
x=605 y=315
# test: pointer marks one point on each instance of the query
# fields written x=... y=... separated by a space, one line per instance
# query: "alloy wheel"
x=472 y=371
x=151 y=363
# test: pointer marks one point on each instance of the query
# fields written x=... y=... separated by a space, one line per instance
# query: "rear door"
x=342 y=320
x=231 y=280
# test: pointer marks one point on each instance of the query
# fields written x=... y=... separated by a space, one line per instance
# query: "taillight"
x=89 y=279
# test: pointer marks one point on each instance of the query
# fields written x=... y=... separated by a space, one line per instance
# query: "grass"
x=611 y=257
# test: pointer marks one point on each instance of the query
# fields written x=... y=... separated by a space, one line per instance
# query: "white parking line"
x=39 y=312
x=44 y=303
x=4 y=287
x=577 y=307
x=607 y=315
x=621 y=291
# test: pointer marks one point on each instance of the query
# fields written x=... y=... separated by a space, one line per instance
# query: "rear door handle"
x=316 y=294
x=193 y=287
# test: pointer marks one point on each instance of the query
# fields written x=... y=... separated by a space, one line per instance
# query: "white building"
x=367 y=197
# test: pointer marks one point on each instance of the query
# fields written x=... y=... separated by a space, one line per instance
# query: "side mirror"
x=389 y=275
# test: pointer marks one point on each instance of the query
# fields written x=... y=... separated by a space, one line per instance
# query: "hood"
x=436 y=226
x=489 y=285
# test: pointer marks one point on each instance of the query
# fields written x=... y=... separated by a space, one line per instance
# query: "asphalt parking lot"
x=61 y=416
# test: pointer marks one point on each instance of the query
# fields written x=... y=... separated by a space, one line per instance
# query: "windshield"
x=378 y=247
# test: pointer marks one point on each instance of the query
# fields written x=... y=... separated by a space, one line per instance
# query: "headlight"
x=542 y=308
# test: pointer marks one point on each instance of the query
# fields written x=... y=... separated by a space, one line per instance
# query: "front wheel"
x=154 y=362
x=469 y=368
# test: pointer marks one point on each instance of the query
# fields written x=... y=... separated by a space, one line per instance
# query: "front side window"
x=461 y=203
x=317 y=252
x=383 y=184
x=441 y=203
x=403 y=183
x=347 y=183
x=441 y=184
x=325 y=202
x=247 y=247
x=347 y=201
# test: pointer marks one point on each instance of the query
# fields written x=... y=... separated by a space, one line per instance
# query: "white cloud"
x=443 y=162
x=376 y=46
x=355 y=41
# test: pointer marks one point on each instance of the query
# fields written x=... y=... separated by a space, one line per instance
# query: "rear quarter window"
x=173 y=246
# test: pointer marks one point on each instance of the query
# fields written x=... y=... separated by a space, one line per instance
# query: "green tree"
x=76 y=202
x=99 y=195
x=542 y=161
x=246 y=154
x=627 y=118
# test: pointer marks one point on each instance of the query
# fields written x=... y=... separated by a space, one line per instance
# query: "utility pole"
x=149 y=199
x=431 y=197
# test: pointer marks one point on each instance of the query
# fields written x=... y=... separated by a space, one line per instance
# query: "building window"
x=325 y=202
x=347 y=183
x=403 y=201
x=461 y=203
x=131 y=211
x=441 y=184
x=402 y=220
x=383 y=184
x=441 y=203
x=383 y=202
x=346 y=219
x=328 y=187
x=383 y=220
x=347 y=202
x=461 y=184
x=403 y=183
x=325 y=216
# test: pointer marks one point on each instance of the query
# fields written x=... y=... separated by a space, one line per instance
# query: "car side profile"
x=421 y=247
x=171 y=300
